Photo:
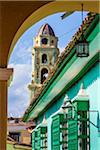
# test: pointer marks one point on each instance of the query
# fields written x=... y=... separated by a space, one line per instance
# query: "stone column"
x=4 y=77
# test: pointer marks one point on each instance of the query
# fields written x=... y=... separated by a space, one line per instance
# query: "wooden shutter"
x=34 y=140
x=59 y=132
x=39 y=138
x=42 y=138
x=78 y=127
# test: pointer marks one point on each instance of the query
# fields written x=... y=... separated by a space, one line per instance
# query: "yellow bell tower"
x=44 y=55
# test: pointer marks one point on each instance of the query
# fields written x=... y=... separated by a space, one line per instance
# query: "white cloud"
x=21 y=54
x=21 y=72
x=18 y=95
x=24 y=52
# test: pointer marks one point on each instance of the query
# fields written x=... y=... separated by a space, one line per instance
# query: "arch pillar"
x=5 y=75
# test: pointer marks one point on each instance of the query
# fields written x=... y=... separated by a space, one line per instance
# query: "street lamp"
x=82 y=47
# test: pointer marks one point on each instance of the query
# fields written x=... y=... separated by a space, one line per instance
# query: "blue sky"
x=20 y=60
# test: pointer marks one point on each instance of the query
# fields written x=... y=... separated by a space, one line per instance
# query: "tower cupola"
x=46 y=30
x=46 y=37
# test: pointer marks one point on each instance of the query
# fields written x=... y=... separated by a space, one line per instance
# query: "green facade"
x=39 y=138
x=78 y=128
x=34 y=140
x=59 y=132
x=67 y=80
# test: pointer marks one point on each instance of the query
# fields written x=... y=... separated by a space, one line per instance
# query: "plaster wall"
x=91 y=82
x=92 y=89
x=88 y=78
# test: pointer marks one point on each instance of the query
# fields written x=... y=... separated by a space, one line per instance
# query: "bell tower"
x=44 y=56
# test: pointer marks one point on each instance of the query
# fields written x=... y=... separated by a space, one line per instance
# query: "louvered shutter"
x=59 y=132
x=78 y=127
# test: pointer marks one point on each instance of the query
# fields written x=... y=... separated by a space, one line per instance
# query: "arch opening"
x=44 y=41
x=44 y=74
x=44 y=59
x=49 y=9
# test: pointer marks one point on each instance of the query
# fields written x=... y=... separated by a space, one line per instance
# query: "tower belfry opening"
x=44 y=58
x=44 y=75
x=44 y=55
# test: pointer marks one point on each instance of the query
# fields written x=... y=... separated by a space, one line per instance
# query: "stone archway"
x=38 y=14
x=51 y=8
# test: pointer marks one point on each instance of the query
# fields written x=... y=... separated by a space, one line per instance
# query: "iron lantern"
x=82 y=48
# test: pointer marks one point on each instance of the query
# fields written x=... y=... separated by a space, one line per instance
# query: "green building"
x=69 y=97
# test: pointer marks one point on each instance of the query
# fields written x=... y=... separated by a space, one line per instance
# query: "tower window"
x=44 y=41
x=44 y=58
x=44 y=74
x=52 y=42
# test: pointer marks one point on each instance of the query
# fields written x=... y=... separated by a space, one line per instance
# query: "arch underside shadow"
x=51 y=8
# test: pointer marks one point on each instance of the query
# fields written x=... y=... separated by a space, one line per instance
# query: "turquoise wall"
x=94 y=39
x=91 y=84
x=87 y=79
